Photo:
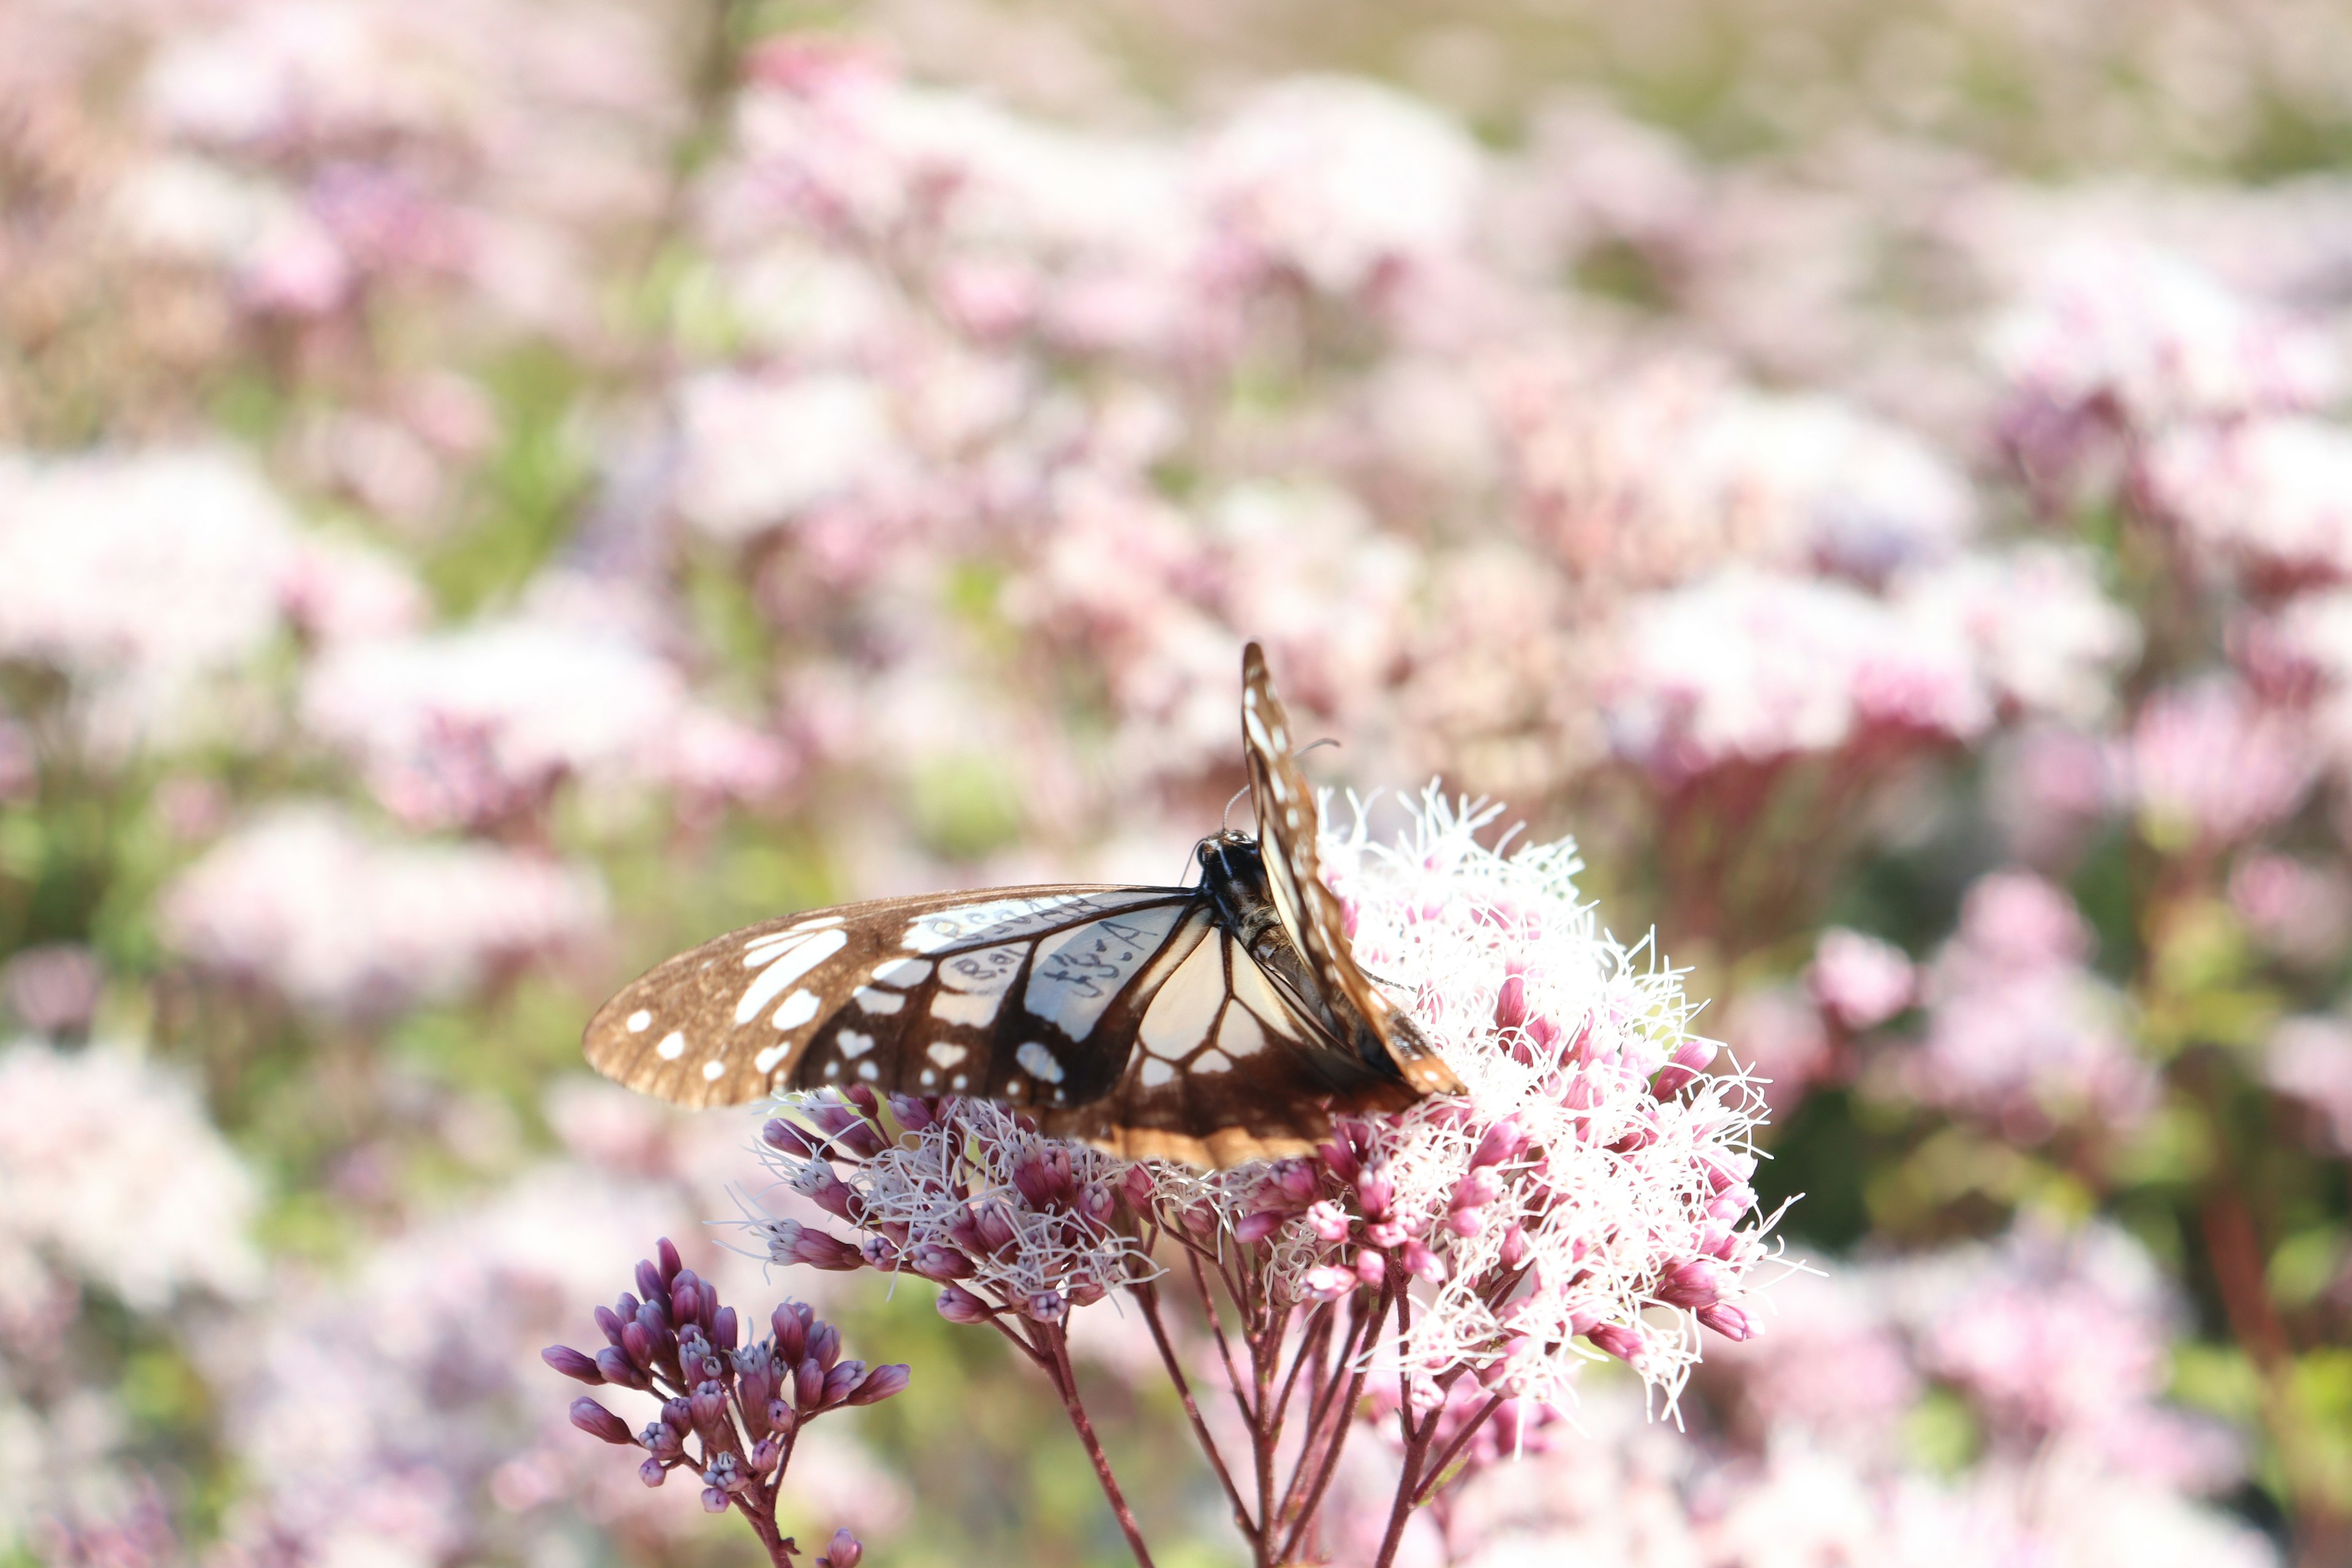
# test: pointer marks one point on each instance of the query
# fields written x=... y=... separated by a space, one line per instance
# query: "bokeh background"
x=493 y=492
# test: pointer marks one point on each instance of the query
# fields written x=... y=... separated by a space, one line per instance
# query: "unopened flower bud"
x=844 y=1551
x=933 y=1261
x=1329 y=1221
x=1385 y=1234
x=1046 y=1179
x=1098 y=1203
x=1086 y=1293
x=650 y=1284
x=824 y=1344
x=782 y=1135
x=1732 y=1202
x=816 y=1183
x=611 y=1322
x=864 y=1099
x=1374 y=1193
x=1325 y=1282
x=1616 y=1339
x=912 y=1112
x=653 y=1472
x=881 y=1383
x=686 y=1299
x=1727 y=1320
x=1502 y=1143
x=1289 y=1184
x=995 y=1227
x=1693 y=1282
x=616 y=1367
x=957 y=1305
x=709 y=1405
x=1691 y=1058
x=1137 y=1184
x=1044 y=1306
x=1466 y=1222
x=672 y=1265
x=1258 y=1225
x=1371 y=1268
x=879 y=1252
x=723 y=1328
x=677 y=1415
x=1515 y=1248
x=572 y=1364
x=713 y=1501
x=661 y=1440
x=782 y=1419
x=1420 y=1261
x=598 y=1422
x=767 y=1456
x=1511 y=1001
x=840 y=1382
x=790 y=1323
x=808 y=1384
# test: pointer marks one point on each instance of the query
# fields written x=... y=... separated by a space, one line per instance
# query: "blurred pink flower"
x=1859 y=980
x=333 y=918
x=2017 y=1032
x=1776 y=1034
x=2299 y=910
x=2046 y=639
x=2207 y=767
x=2271 y=498
x=2310 y=1060
x=2050 y=788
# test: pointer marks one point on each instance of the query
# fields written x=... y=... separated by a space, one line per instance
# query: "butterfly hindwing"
x=999 y=988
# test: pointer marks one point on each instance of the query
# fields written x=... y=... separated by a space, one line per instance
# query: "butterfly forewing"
x=1289 y=826
x=1002 y=992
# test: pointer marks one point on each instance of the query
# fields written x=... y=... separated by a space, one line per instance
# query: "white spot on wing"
x=1239 y=1034
x=672 y=1047
x=1258 y=734
x=868 y=1071
x=902 y=971
x=769 y=948
x=787 y=970
x=1038 y=1062
x=640 y=1021
x=1181 y=1016
x=950 y=1008
x=798 y=1009
x=713 y=1070
x=874 y=1001
x=947 y=1053
x=1002 y=919
x=818 y=922
x=1256 y=992
x=853 y=1043
x=1212 y=1061
x=1156 y=1072
x=766 y=1061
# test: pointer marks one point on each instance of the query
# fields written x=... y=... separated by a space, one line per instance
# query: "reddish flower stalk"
x=731 y=1412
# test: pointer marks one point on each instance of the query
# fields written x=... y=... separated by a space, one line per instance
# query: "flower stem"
x=1065 y=1384
x=1146 y=1296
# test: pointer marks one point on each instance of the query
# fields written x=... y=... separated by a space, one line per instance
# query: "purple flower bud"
x=1374 y=1193
x=816 y=1183
x=1289 y=1183
x=713 y=1501
x=1727 y=1320
x=610 y=1322
x=1044 y=1179
x=1328 y=1220
x=572 y=1364
x=723 y=1328
x=1098 y=1204
x=709 y=1405
x=781 y=1418
x=767 y=1456
x=788 y=1241
x=1466 y=1222
x=1616 y=1339
x=957 y=1305
x=653 y=1472
x=649 y=1281
x=1086 y=1293
x=1511 y=1001
x=677 y=1415
x=1371 y=1267
x=933 y=1261
x=1258 y=1225
x=661 y=1440
x=881 y=1383
x=1420 y=1261
x=914 y=1114
x=1338 y=1159
x=866 y=1101
x=1729 y=1170
x=652 y=1316
x=844 y=1551
x=1514 y=1246
x=637 y=1344
x=616 y=1367
x=598 y=1422
x=1044 y=1306
x=1137 y=1184
x=1385 y=1234
x=790 y=1323
x=879 y=1252
x=842 y=1381
x=782 y=1135
x=808 y=1384
x=845 y=1129
x=686 y=1299
x=666 y=1252
x=824 y=1344
x=1476 y=1190
x=1691 y=1058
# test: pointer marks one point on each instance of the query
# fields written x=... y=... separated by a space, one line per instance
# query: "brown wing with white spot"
x=1226 y=1068
x=1289 y=825
x=1009 y=993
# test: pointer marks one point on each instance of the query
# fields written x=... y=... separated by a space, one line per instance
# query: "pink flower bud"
x=1137 y=1186
x=1044 y=1179
x=782 y=1135
x=1419 y=1260
x=572 y=1364
x=650 y=1282
x=816 y=1183
x=1466 y=1223
x=881 y=1383
x=995 y=1227
x=709 y=1405
x=618 y=1367
x=957 y=1305
x=808 y=1384
x=686 y=1299
x=672 y=1265
x=713 y=1501
x=1371 y=1267
x=1732 y=1202
x=1515 y=1248
x=1511 y=1001
x=879 y=1252
x=1385 y=1234
x=1503 y=1142
x=1045 y=1307
x=867 y=1103
x=1476 y=1190
x=789 y=1322
x=1727 y=1320
x=767 y=1456
x=1693 y=1283
x=1691 y=1058
x=914 y=1114
x=598 y=1422
x=1619 y=1340
x=653 y=1472
x=824 y=1344
x=1327 y=1283
x=1258 y=1225
x=933 y=1261
x=1374 y=1193
x=1098 y=1204
x=1289 y=1184
x=842 y=1382
x=843 y=1550
x=782 y=1419
x=1328 y=1220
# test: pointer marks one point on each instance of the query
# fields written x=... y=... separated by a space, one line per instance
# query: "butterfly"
x=1211 y=1024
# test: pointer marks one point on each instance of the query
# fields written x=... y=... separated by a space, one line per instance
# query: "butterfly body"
x=1213 y=1024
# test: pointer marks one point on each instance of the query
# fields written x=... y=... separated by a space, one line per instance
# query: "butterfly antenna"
x=1227 y=820
x=1314 y=745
